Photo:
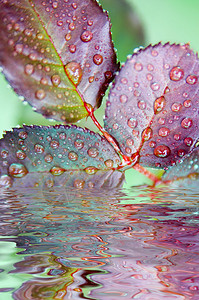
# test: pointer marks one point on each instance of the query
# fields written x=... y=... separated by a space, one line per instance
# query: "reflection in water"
x=121 y=244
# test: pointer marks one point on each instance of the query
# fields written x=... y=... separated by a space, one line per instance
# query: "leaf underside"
x=57 y=155
x=186 y=172
x=57 y=54
x=154 y=104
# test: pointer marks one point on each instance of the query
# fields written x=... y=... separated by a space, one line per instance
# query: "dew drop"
x=176 y=137
x=150 y=67
x=176 y=74
x=56 y=80
x=40 y=94
x=109 y=163
x=62 y=136
x=54 y=144
x=68 y=37
x=19 y=48
x=5 y=181
x=188 y=141
x=39 y=148
x=162 y=151
x=20 y=155
x=176 y=107
x=91 y=79
x=74 y=5
x=29 y=69
x=132 y=123
x=59 y=23
x=74 y=72
x=86 y=36
x=123 y=98
x=4 y=153
x=78 y=183
x=152 y=144
x=186 y=123
x=98 y=59
x=147 y=134
x=163 y=131
x=91 y=170
x=155 y=86
x=187 y=103
x=57 y=171
x=181 y=152
x=159 y=105
x=93 y=152
x=130 y=142
x=73 y=156
x=191 y=79
x=48 y=158
x=72 y=48
x=142 y=104
x=138 y=67
x=71 y=26
x=149 y=77
x=17 y=170
x=49 y=183
x=79 y=144
x=154 y=53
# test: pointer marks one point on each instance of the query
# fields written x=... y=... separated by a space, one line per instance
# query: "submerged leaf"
x=57 y=54
x=57 y=155
x=153 y=106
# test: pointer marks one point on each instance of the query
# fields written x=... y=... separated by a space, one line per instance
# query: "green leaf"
x=57 y=54
x=57 y=155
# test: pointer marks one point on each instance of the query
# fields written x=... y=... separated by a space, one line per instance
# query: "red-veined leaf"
x=154 y=103
x=57 y=155
x=57 y=54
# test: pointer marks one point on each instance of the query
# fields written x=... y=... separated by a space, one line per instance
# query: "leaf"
x=57 y=54
x=153 y=106
x=57 y=155
x=185 y=173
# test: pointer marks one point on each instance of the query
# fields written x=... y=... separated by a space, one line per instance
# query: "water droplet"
x=86 y=36
x=91 y=79
x=74 y=72
x=54 y=144
x=23 y=135
x=132 y=123
x=62 y=136
x=176 y=107
x=39 y=148
x=57 y=171
x=78 y=183
x=68 y=37
x=40 y=94
x=48 y=158
x=59 y=23
x=91 y=170
x=187 y=103
x=149 y=77
x=162 y=151
x=19 y=48
x=72 y=48
x=181 y=152
x=161 y=121
x=191 y=79
x=155 y=86
x=5 y=181
x=166 y=90
x=147 y=134
x=176 y=74
x=115 y=126
x=93 y=152
x=55 y=80
x=79 y=144
x=142 y=105
x=40 y=36
x=159 y=104
x=109 y=163
x=138 y=67
x=188 y=141
x=90 y=22
x=108 y=75
x=123 y=98
x=177 y=137
x=186 y=123
x=27 y=32
x=71 y=26
x=17 y=170
x=98 y=59
x=152 y=144
x=163 y=131
x=29 y=69
x=150 y=67
x=130 y=142
x=74 y=5
x=20 y=154
x=4 y=153
x=73 y=156
x=154 y=53
x=49 y=183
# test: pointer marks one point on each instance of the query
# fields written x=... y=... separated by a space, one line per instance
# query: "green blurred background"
x=134 y=23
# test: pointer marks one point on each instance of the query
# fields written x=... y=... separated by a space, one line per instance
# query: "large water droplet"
x=86 y=36
x=176 y=74
x=147 y=134
x=191 y=79
x=93 y=152
x=159 y=104
x=17 y=170
x=98 y=59
x=57 y=171
x=73 y=156
x=74 y=72
x=162 y=151
x=186 y=123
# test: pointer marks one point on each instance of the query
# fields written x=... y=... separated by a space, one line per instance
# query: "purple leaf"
x=57 y=155
x=57 y=54
x=153 y=106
